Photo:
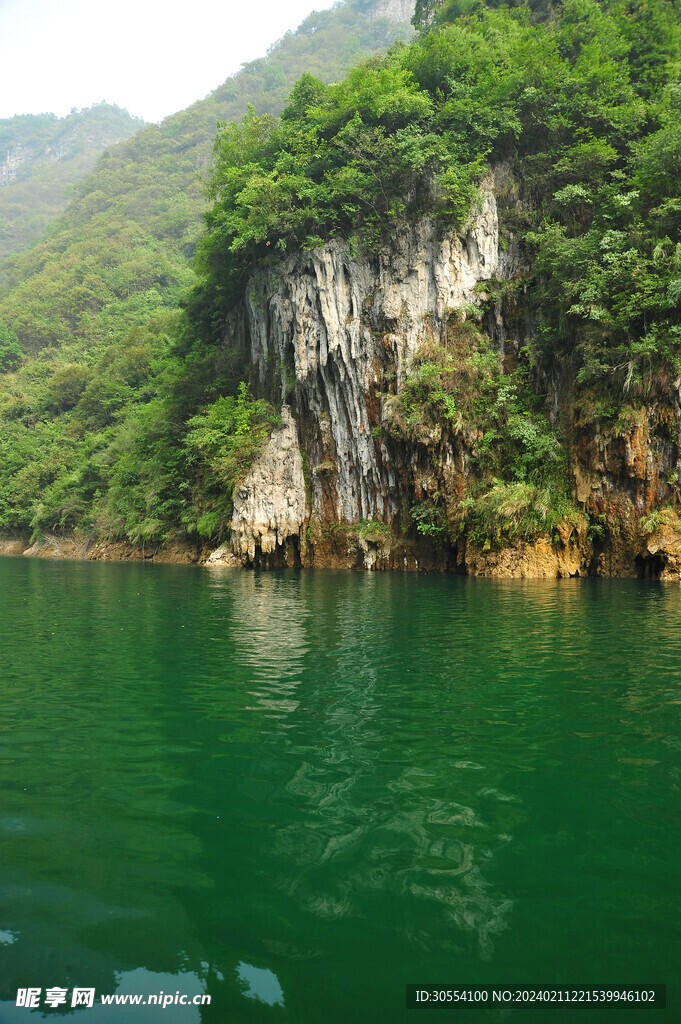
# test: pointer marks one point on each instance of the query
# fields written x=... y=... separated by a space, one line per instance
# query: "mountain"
x=87 y=315
x=436 y=322
x=42 y=157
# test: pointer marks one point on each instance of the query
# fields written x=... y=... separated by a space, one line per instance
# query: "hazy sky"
x=152 y=56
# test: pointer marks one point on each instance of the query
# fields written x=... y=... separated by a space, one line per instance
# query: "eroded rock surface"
x=270 y=503
x=327 y=331
x=397 y=10
x=334 y=333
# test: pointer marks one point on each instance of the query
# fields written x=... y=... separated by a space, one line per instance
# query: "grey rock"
x=270 y=504
x=323 y=327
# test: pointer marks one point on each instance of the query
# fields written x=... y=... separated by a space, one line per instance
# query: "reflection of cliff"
x=344 y=858
x=370 y=815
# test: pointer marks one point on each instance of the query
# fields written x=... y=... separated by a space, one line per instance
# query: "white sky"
x=151 y=56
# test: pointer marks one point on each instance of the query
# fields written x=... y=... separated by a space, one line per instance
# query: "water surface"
x=298 y=792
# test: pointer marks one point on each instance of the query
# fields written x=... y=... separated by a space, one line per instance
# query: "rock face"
x=270 y=505
x=28 y=142
x=397 y=10
x=332 y=325
x=332 y=334
x=12 y=162
x=20 y=160
x=623 y=472
x=541 y=560
x=84 y=547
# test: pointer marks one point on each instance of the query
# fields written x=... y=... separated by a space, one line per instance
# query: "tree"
x=10 y=350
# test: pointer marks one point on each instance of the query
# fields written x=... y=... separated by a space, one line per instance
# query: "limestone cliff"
x=397 y=10
x=270 y=505
x=627 y=476
x=332 y=334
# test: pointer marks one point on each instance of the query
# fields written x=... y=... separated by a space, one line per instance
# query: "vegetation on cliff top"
x=579 y=99
x=587 y=107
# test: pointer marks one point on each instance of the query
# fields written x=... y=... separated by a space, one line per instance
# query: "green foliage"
x=413 y=132
x=518 y=473
x=326 y=468
x=510 y=511
x=428 y=396
x=597 y=527
x=429 y=516
x=334 y=530
x=423 y=12
x=518 y=440
x=124 y=417
x=373 y=531
x=10 y=350
x=355 y=157
x=53 y=155
x=606 y=253
x=222 y=441
x=66 y=386
x=520 y=476
x=146 y=486
x=658 y=518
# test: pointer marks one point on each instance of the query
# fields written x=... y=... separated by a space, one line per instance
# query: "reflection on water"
x=135 y=983
x=261 y=984
x=287 y=789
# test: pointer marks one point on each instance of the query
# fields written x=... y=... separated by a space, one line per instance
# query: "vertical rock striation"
x=397 y=10
x=334 y=332
x=270 y=503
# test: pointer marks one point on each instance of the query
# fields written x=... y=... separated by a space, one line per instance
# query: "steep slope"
x=437 y=323
x=41 y=157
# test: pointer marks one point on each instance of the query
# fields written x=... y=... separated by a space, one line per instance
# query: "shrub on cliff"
x=222 y=442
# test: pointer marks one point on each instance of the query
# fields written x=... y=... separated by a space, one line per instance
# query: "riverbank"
x=543 y=558
x=89 y=549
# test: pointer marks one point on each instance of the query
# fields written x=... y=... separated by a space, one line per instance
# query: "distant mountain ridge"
x=46 y=161
x=41 y=157
x=27 y=139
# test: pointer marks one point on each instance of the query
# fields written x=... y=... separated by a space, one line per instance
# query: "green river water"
x=298 y=792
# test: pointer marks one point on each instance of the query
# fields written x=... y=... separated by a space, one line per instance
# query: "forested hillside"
x=86 y=318
x=41 y=158
x=134 y=222
x=143 y=408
